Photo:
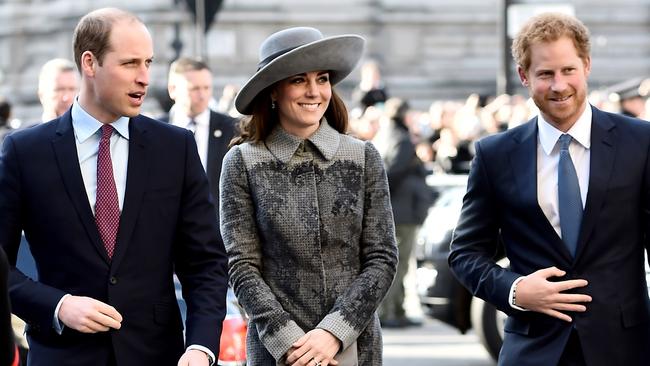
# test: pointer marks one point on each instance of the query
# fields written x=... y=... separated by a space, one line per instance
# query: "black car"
x=441 y=295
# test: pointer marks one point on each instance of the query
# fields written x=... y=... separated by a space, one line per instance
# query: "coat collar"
x=284 y=145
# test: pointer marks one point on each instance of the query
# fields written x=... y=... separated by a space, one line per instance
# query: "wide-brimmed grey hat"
x=296 y=50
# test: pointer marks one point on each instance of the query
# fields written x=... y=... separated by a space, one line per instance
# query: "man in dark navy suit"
x=190 y=87
x=568 y=195
x=112 y=204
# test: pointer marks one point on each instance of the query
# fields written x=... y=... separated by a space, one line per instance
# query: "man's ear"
x=522 y=76
x=88 y=63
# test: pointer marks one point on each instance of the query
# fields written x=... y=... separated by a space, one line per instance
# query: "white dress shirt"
x=87 y=132
x=548 y=158
x=201 y=133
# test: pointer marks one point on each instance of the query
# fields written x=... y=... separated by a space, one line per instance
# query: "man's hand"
x=317 y=347
x=194 y=357
x=536 y=293
x=88 y=315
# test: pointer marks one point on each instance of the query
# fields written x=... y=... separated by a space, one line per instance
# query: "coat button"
x=113 y=280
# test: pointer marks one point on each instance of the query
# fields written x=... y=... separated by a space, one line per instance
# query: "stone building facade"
x=427 y=49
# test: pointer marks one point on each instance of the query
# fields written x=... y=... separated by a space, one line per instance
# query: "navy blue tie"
x=569 y=199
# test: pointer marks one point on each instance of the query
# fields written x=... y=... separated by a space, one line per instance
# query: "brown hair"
x=259 y=125
x=549 y=27
x=94 y=31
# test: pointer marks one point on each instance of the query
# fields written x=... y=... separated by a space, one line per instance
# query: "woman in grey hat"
x=305 y=210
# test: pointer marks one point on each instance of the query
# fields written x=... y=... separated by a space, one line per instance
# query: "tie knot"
x=191 y=125
x=107 y=131
x=565 y=140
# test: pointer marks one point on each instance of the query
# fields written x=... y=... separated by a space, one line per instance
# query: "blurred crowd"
x=443 y=134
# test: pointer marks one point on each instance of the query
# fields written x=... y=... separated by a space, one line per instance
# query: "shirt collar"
x=181 y=120
x=283 y=145
x=86 y=125
x=580 y=131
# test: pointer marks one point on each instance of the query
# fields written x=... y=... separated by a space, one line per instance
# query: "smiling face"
x=301 y=101
x=117 y=87
x=557 y=81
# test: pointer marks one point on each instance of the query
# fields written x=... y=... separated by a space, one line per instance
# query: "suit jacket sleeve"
x=475 y=240
x=201 y=258
x=38 y=311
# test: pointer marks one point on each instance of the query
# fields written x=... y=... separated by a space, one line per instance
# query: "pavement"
x=434 y=343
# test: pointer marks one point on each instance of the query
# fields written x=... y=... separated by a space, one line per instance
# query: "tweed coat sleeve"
x=275 y=327
x=378 y=250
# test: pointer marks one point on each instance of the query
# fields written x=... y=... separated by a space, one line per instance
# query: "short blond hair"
x=549 y=27
x=183 y=65
x=51 y=70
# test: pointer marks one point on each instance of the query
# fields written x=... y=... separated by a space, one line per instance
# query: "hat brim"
x=339 y=55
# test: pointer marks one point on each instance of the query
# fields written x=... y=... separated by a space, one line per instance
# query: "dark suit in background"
x=222 y=130
x=190 y=87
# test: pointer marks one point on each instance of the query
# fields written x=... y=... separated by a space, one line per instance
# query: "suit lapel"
x=65 y=151
x=603 y=152
x=522 y=153
x=135 y=185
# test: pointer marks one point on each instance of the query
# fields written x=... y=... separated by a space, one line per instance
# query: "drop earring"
x=273 y=104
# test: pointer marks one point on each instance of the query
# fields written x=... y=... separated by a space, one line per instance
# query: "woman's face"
x=301 y=101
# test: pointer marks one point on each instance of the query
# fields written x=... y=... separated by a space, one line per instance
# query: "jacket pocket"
x=518 y=326
x=166 y=314
x=634 y=313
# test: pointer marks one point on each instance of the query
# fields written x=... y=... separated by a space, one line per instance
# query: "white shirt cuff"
x=206 y=350
x=511 y=295
x=56 y=323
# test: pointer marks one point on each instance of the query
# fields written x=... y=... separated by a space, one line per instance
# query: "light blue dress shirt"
x=87 y=133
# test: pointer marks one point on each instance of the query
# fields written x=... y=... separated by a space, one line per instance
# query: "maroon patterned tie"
x=107 y=207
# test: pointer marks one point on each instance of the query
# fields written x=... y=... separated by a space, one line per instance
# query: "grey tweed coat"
x=309 y=233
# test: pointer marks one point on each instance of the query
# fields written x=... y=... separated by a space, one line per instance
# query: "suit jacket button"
x=113 y=280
